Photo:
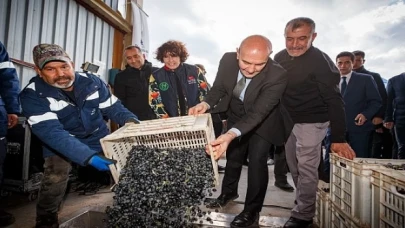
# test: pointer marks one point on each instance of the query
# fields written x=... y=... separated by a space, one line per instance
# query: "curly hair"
x=173 y=48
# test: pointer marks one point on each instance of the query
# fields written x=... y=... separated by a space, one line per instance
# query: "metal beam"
x=103 y=11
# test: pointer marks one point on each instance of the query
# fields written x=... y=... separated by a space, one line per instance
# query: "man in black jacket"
x=131 y=85
x=381 y=139
x=313 y=101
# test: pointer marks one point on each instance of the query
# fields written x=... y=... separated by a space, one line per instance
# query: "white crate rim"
x=195 y=124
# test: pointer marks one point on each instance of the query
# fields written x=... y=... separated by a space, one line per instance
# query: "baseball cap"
x=44 y=53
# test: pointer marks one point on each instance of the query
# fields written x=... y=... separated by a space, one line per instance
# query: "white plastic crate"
x=389 y=198
x=175 y=132
x=341 y=220
x=323 y=209
x=351 y=185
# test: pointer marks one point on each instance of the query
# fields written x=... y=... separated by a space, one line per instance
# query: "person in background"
x=9 y=108
x=131 y=85
x=395 y=114
x=280 y=168
x=177 y=86
x=248 y=87
x=362 y=101
x=65 y=110
x=380 y=140
x=313 y=101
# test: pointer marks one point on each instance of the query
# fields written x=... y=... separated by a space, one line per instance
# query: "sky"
x=209 y=28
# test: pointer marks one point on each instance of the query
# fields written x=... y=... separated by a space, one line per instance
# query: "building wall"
x=85 y=37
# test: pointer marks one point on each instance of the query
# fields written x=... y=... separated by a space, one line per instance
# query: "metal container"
x=94 y=217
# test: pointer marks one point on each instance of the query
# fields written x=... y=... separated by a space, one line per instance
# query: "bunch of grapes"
x=162 y=188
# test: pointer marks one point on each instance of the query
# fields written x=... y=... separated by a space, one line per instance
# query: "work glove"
x=101 y=163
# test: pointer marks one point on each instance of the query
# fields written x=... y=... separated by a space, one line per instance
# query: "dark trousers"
x=400 y=138
x=3 y=152
x=381 y=144
x=280 y=164
x=217 y=124
x=53 y=185
x=258 y=177
x=327 y=143
x=360 y=143
x=394 y=144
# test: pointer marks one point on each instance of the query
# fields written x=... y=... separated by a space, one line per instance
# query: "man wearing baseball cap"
x=65 y=109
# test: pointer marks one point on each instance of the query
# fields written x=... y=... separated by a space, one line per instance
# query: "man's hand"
x=343 y=150
x=220 y=145
x=360 y=119
x=101 y=163
x=201 y=108
x=377 y=120
x=389 y=125
x=12 y=120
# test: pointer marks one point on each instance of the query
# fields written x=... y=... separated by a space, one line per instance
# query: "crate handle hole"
x=343 y=165
x=399 y=191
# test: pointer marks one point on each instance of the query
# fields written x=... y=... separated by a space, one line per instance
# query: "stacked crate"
x=388 y=189
x=351 y=190
x=323 y=207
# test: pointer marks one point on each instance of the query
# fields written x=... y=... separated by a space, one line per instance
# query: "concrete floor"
x=278 y=203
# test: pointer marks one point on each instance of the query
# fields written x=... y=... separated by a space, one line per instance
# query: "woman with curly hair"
x=177 y=86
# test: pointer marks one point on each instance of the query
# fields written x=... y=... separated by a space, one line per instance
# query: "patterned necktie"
x=343 y=86
x=239 y=87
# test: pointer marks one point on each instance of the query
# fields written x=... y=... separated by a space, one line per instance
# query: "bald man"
x=248 y=87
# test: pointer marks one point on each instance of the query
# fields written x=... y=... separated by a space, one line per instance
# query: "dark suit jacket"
x=265 y=115
x=396 y=100
x=381 y=89
x=361 y=96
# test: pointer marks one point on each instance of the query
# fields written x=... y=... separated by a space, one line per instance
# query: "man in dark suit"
x=248 y=86
x=395 y=114
x=362 y=102
x=381 y=138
